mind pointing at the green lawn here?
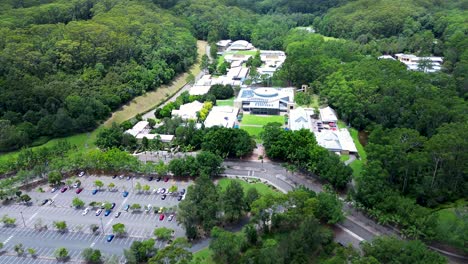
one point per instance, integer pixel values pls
(82, 141)
(253, 131)
(228, 102)
(248, 119)
(356, 165)
(202, 256)
(262, 188)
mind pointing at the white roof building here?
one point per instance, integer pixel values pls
(141, 130)
(385, 57)
(327, 114)
(336, 140)
(224, 43)
(240, 45)
(265, 100)
(412, 62)
(188, 111)
(225, 116)
(300, 118)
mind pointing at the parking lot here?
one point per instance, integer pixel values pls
(138, 225)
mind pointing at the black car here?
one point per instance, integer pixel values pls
(45, 201)
(163, 197)
(158, 179)
(182, 192)
(150, 178)
(179, 198)
(112, 205)
(115, 176)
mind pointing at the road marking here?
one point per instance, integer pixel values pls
(8, 239)
(92, 244)
(30, 218)
(350, 233)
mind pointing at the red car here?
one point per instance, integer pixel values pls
(166, 179)
(161, 217)
(64, 189)
(79, 190)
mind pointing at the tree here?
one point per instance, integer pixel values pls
(54, 177)
(94, 228)
(8, 221)
(135, 207)
(329, 208)
(61, 226)
(204, 62)
(175, 252)
(251, 196)
(232, 201)
(138, 187)
(25, 198)
(221, 92)
(119, 229)
(173, 189)
(146, 188)
(77, 202)
(99, 184)
(19, 249)
(391, 250)
(163, 233)
(61, 254)
(32, 252)
(140, 251)
(92, 256)
(225, 245)
(111, 186)
(199, 210)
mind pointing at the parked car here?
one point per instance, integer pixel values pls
(110, 237)
(158, 179)
(125, 194)
(85, 211)
(160, 210)
(182, 191)
(115, 176)
(53, 190)
(95, 191)
(166, 179)
(150, 178)
(64, 189)
(45, 201)
(161, 217)
(79, 190)
(170, 217)
(163, 197)
(179, 198)
(103, 205)
(107, 212)
(128, 178)
(126, 208)
(98, 212)
(121, 177)
(81, 174)
(112, 205)
(117, 214)
(148, 208)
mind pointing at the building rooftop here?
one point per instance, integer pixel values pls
(224, 43)
(327, 114)
(224, 116)
(241, 45)
(300, 118)
(188, 111)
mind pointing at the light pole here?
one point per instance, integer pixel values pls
(23, 219)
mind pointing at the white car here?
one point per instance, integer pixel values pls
(148, 208)
(160, 210)
(85, 211)
(170, 217)
(81, 174)
(159, 190)
(53, 190)
(98, 212)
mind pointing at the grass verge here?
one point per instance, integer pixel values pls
(262, 188)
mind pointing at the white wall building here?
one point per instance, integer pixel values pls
(265, 100)
(240, 45)
(415, 63)
(300, 118)
(328, 115)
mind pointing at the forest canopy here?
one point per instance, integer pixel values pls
(65, 70)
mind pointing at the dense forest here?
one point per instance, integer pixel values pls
(65, 65)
